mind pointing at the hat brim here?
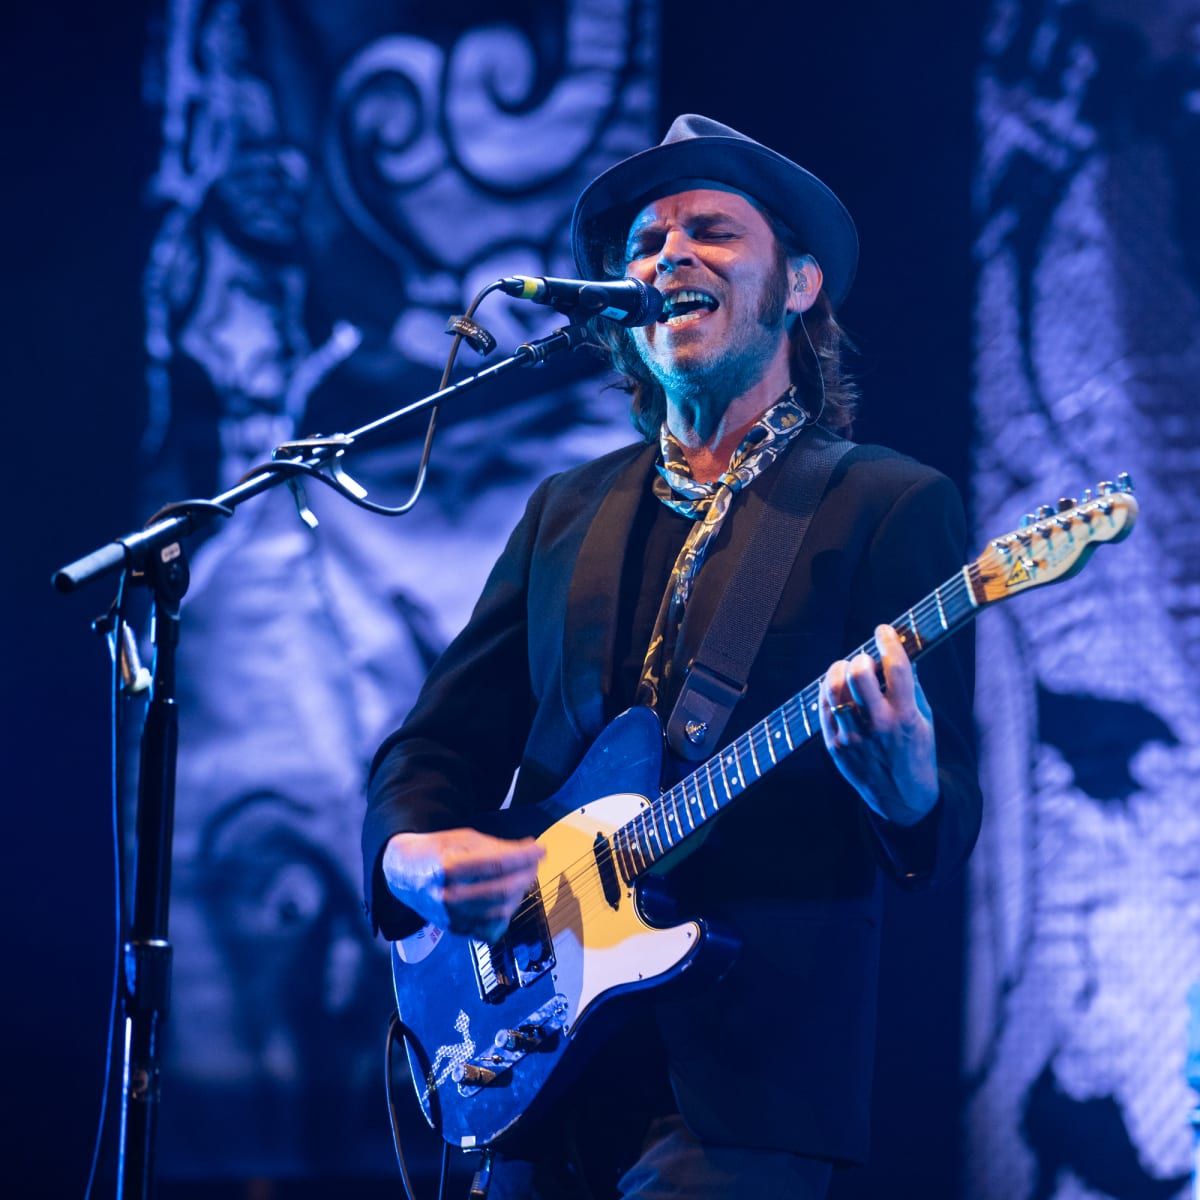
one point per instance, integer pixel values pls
(797, 197)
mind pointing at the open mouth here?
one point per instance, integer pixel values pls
(685, 306)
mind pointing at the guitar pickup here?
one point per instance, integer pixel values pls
(606, 868)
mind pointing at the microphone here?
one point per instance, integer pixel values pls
(629, 302)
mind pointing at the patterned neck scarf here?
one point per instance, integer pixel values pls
(707, 505)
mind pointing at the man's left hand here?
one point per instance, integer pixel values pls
(882, 741)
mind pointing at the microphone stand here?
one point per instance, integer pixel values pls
(155, 557)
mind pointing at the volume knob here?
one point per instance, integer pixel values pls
(469, 1075)
(518, 1039)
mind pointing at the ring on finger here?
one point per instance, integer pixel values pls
(850, 716)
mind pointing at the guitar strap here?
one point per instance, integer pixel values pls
(716, 679)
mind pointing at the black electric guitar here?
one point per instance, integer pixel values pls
(494, 1027)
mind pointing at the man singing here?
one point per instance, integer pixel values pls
(757, 1083)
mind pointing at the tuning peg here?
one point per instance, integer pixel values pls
(1087, 495)
(1124, 482)
(1106, 487)
(1044, 511)
(1028, 519)
(1065, 502)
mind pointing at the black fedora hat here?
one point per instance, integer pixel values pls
(696, 149)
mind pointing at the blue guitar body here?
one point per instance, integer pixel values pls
(492, 1024)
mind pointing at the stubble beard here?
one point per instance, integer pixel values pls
(703, 390)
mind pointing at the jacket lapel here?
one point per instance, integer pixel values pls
(590, 626)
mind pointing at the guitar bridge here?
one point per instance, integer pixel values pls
(524, 953)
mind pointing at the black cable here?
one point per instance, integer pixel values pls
(395, 1025)
(316, 470)
(445, 380)
(118, 888)
(819, 365)
(443, 1173)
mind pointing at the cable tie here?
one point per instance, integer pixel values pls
(481, 341)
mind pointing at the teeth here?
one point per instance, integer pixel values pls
(687, 296)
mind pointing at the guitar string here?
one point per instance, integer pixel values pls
(757, 737)
(581, 870)
(963, 589)
(964, 584)
(657, 812)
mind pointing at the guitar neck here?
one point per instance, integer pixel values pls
(681, 811)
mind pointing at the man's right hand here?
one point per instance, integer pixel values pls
(461, 880)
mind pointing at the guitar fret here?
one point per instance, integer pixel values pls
(753, 756)
(687, 807)
(724, 777)
(712, 791)
(654, 830)
(619, 846)
(737, 762)
(655, 812)
(675, 814)
(635, 845)
(937, 596)
(770, 741)
(787, 733)
(912, 624)
(643, 839)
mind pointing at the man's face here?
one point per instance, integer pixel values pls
(715, 258)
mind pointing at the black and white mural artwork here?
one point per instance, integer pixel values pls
(1085, 925)
(332, 183)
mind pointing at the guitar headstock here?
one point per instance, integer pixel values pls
(1054, 542)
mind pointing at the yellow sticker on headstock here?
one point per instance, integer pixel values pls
(1017, 575)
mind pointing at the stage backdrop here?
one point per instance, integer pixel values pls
(332, 182)
(1086, 885)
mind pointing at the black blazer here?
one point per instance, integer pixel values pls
(780, 1052)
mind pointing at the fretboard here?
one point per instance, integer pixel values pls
(682, 810)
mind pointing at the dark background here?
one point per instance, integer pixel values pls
(874, 99)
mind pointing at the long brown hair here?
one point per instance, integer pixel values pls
(822, 362)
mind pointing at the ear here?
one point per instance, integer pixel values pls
(804, 283)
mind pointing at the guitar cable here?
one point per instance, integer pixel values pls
(397, 1027)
